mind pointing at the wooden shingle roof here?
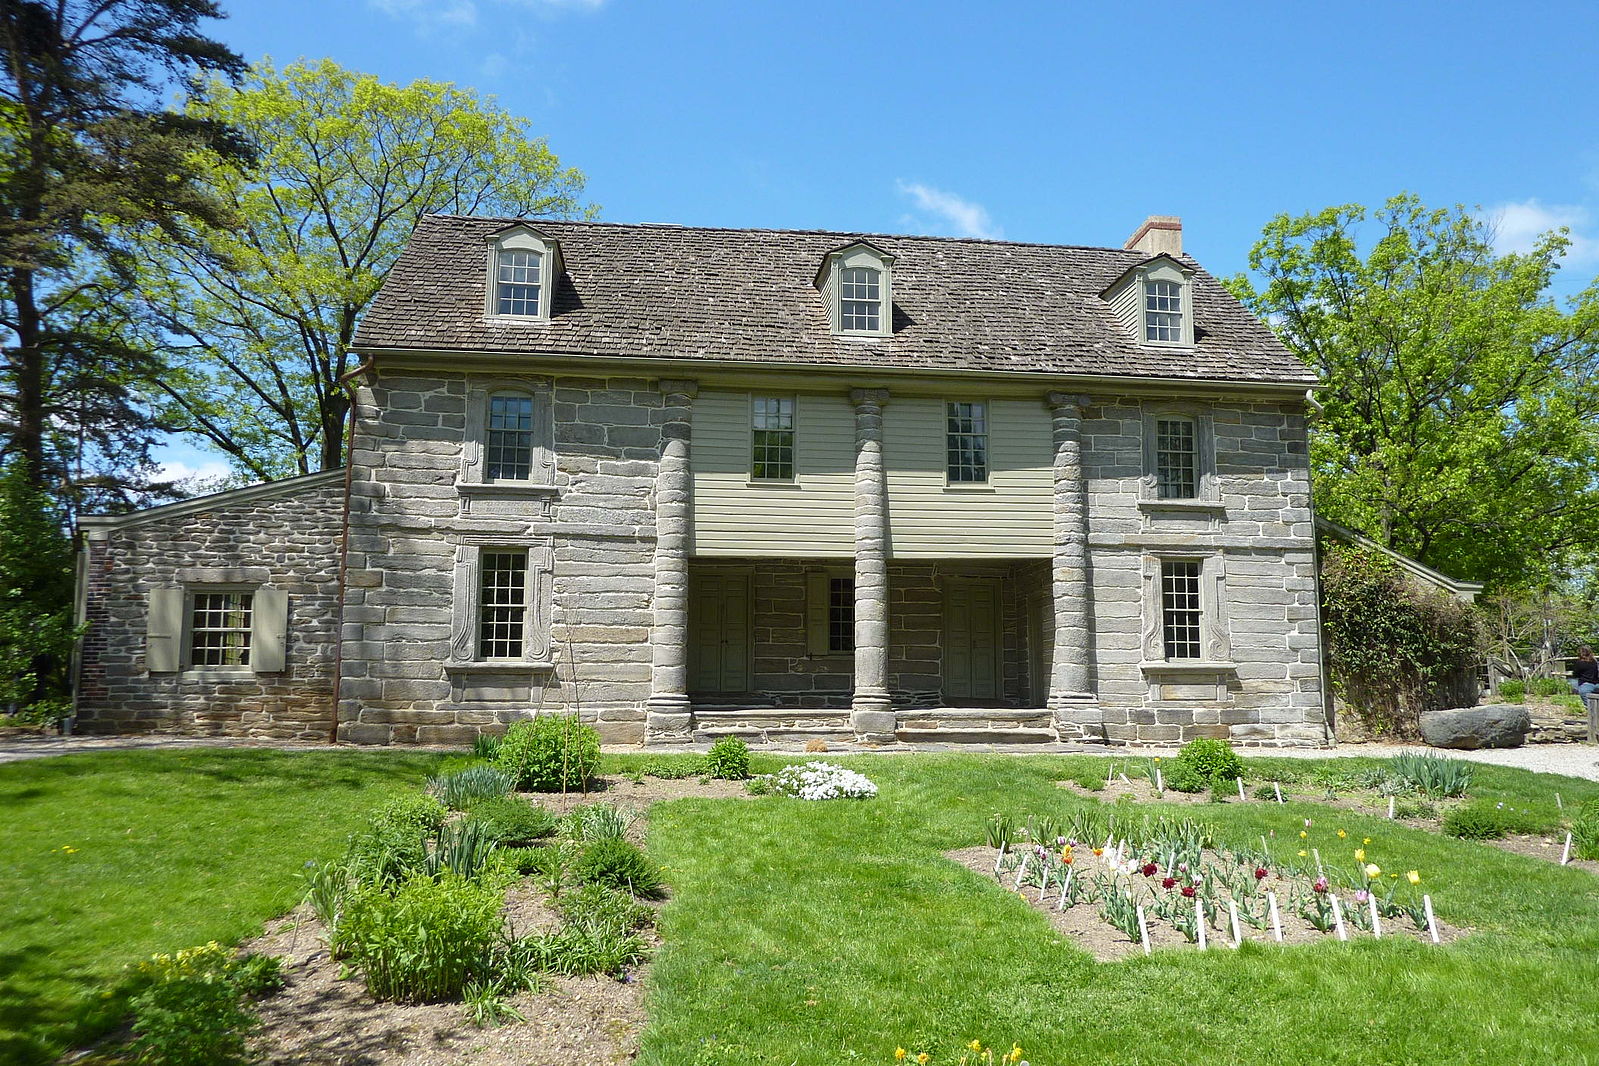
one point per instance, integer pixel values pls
(690, 293)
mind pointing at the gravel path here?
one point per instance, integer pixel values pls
(1573, 760)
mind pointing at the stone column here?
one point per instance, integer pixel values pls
(1070, 697)
(670, 715)
(871, 710)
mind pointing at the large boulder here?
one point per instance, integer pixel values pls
(1493, 725)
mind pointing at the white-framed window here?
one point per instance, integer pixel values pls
(1176, 458)
(860, 295)
(508, 446)
(772, 438)
(830, 611)
(1180, 609)
(502, 603)
(966, 442)
(518, 282)
(1163, 311)
(220, 627)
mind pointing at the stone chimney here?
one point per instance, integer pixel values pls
(1158, 234)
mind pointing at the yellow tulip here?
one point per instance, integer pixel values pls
(1414, 877)
(899, 1054)
(1373, 870)
(1303, 853)
(922, 1058)
(1303, 834)
(1360, 854)
(1342, 834)
(1367, 840)
(976, 1045)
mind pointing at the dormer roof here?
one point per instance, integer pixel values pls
(1188, 270)
(844, 250)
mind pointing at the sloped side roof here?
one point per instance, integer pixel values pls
(747, 295)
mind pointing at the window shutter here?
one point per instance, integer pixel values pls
(163, 631)
(816, 603)
(269, 631)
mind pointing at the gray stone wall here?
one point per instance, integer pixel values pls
(285, 540)
(408, 518)
(1262, 532)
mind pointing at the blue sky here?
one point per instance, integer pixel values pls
(1056, 122)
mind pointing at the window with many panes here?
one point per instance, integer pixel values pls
(1180, 608)
(1163, 311)
(219, 628)
(502, 604)
(860, 294)
(772, 438)
(841, 614)
(1176, 459)
(508, 449)
(517, 280)
(966, 442)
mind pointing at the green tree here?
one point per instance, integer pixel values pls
(36, 574)
(90, 159)
(1460, 400)
(348, 165)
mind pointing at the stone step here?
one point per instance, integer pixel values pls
(977, 718)
(975, 736)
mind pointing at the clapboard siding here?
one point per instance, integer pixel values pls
(814, 517)
(1011, 517)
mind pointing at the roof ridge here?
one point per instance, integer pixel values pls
(534, 219)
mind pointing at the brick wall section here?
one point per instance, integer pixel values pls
(407, 520)
(287, 540)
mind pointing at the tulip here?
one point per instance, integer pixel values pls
(1360, 854)
(1188, 891)
(1373, 870)
(1414, 877)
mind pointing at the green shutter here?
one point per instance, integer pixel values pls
(817, 595)
(269, 629)
(163, 631)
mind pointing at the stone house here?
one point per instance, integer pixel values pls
(688, 482)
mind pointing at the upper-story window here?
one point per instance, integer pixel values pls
(523, 267)
(508, 449)
(1176, 459)
(966, 442)
(518, 282)
(772, 438)
(860, 297)
(857, 282)
(1163, 311)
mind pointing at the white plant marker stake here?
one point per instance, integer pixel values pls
(1160, 782)
(1232, 913)
(1390, 808)
(1275, 787)
(999, 858)
(1065, 887)
(1276, 919)
(1338, 917)
(1316, 852)
(1108, 842)
(1143, 930)
(1264, 850)
(1240, 783)
(1110, 774)
(1376, 922)
(1021, 868)
(1126, 782)
(1432, 926)
(1199, 921)
(1559, 805)
(1565, 852)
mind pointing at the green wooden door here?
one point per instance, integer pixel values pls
(972, 671)
(719, 633)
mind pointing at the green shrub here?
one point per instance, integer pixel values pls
(1512, 691)
(425, 941)
(193, 1011)
(675, 767)
(536, 861)
(551, 753)
(1547, 686)
(511, 821)
(729, 759)
(1184, 777)
(597, 821)
(618, 864)
(1211, 761)
(759, 786)
(1482, 820)
(1414, 809)
(395, 844)
(1432, 775)
(463, 788)
(1585, 831)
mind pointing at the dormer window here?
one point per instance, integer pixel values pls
(1153, 301)
(523, 265)
(857, 283)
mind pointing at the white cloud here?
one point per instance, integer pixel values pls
(956, 216)
(431, 14)
(205, 471)
(1518, 225)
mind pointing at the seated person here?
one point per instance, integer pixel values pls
(1584, 678)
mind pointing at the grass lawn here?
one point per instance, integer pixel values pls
(834, 932)
(168, 849)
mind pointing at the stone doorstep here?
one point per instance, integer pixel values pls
(976, 736)
(772, 717)
(755, 737)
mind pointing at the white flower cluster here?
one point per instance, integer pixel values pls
(821, 781)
